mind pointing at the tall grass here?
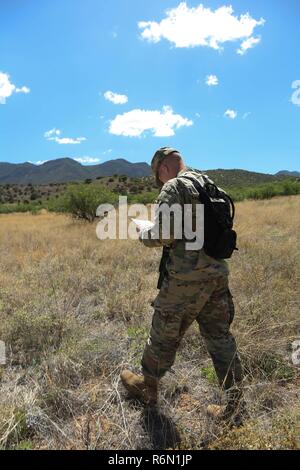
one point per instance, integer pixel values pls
(76, 310)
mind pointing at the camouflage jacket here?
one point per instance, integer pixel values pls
(182, 263)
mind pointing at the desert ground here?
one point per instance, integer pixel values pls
(76, 310)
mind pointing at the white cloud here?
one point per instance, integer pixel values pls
(230, 113)
(246, 115)
(136, 122)
(212, 80)
(248, 44)
(54, 134)
(39, 162)
(51, 133)
(7, 88)
(23, 89)
(200, 26)
(106, 152)
(115, 97)
(69, 140)
(87, 159)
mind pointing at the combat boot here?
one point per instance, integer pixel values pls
(144, 388)
(234, 412)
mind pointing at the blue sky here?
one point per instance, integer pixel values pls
(97, 80)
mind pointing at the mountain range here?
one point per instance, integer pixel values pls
(288, 173)
(64, 170)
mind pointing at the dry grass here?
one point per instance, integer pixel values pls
(75, 310)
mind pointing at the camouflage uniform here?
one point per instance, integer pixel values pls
(195, 288)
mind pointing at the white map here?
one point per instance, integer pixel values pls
(143, 224)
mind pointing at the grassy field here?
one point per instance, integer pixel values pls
(76, 310)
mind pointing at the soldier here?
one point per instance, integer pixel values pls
(193, 286)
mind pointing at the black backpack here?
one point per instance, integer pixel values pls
(219, 237)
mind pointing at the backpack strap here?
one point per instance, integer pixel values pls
(204, 197)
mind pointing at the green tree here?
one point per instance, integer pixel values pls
(82, 201)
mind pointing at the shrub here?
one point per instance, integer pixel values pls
(82, 201)
(134, 189)
(144, 198)
(33, 196)
(266, 190)
(281, 433)
(269, 366)
(210, 374)
(33, 207)
(30, 335)
(14, 428)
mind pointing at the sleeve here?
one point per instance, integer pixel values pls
(163, 232)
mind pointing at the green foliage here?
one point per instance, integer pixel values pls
(82, 201)
(270, 366)
(143, 198)
(240, 178)
(29, 335)
(210, 374)
(138, 337)
(58, 203)
(266, 190)
(33, 207)
(14, 429)
(135, 332)
(282, 433)
(25, 445)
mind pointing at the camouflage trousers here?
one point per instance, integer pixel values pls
(178, 304)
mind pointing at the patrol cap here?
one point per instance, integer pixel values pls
(158, 157)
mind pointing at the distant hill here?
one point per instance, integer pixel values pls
(288, 173)
(228, 178)
(64, 170)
